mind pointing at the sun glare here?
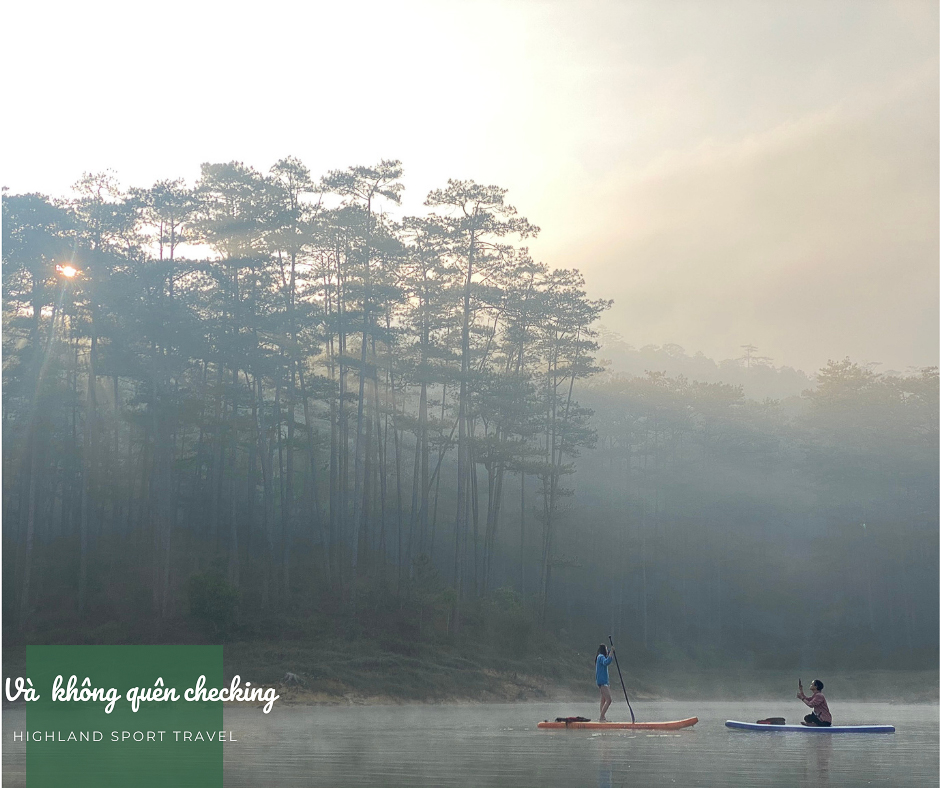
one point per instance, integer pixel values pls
(66, 270)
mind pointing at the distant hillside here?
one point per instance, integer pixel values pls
(759, 377)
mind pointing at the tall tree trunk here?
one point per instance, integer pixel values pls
(30, 463)
(495, 473)
(475, 513)
(161, 483)
(312, 459)
(398, 488)
(89, 455)
(522, 534)
(31, 503)
(233, 573)
(463, 446)
(281, 495)
(218, 467)
(265, 455)
(361, 457)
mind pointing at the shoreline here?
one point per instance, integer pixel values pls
(909, 687)
(363, 674)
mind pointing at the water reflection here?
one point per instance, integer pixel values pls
(499, 747)
(605, 768)
(819, 756)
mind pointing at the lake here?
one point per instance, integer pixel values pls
(499, 745)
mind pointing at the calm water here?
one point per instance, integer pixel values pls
(499, 745)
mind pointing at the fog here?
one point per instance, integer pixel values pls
(410, 350)
(732, 172)
(324, 422)
(497, 746)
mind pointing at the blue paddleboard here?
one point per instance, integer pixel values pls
(754, 726)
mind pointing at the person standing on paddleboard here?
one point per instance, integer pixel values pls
(601, 662)
(820, 718)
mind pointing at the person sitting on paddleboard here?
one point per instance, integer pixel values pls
(601, 662)
(820, 717)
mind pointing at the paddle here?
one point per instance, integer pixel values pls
(617, 662)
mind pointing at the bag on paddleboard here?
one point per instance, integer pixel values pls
(772, 721)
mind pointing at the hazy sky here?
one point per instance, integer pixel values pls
(729, 173)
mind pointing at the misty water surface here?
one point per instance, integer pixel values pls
(499, 745)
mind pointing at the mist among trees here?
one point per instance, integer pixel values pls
(262, 407)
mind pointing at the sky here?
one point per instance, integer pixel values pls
(729, 173)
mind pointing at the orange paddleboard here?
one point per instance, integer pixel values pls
(636, 726)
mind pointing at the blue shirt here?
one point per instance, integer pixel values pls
(601, 672)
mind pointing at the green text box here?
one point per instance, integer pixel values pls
(81, 745)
